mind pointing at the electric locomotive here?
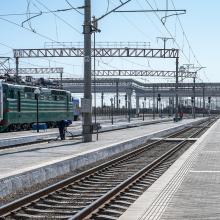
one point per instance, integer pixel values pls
(18, 106)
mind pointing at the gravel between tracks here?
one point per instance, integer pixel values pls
(34, 188)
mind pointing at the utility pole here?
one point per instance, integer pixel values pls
(87, 101)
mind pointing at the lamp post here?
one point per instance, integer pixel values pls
(37, 94)
(111, 99)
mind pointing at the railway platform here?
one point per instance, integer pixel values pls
(25, 137)
(189, 189)
(32, 164)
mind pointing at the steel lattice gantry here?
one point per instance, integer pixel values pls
(161, 73)
(103, 52)
(98, 52)
(108, 85)
(30, 71)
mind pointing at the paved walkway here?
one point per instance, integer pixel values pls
(77, 125)
(189, 190)
(23, 158)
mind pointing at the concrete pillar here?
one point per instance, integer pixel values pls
(137, 106)
(102, 99)
(173, 105)
(129, 94)
(170, 106)
(153, 110)
(126, 101)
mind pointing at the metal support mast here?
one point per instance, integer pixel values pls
(165, 39)
(17, 67)
(194, 98)
(176, 90)
(153, 102)
(117, 95)
(87, 114)
(203, 99)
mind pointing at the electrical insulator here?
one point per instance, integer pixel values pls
(94, 23)
(209, 99)
(192, 99)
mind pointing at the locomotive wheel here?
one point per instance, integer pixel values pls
(25, 126)
(11, 127)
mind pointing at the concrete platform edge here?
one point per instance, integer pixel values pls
(7, 142)
(27, 178)
(152, 204)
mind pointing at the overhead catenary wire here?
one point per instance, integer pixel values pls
(41, 35)
(108, 1)
(135, 27)
(107, 9)
(190, 47)
(185, 35)
(35, 32)
(182, 51)
(67, 23)
(27, 29)
(76, 9)
(43, 12)
(146, 15)
(44, 59)
(168, 31)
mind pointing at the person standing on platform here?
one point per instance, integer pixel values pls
(61, 126)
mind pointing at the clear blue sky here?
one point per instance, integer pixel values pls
(201, 25)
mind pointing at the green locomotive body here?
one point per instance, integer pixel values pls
(18, 106)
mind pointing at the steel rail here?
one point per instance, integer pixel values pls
(89, 210)
(100, 202)
(6, 209)
(26, 200)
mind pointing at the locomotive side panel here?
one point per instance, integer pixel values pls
(20, 106)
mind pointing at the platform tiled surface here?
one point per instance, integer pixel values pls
(20, 159)
(199, 195)
(189, 190)
(75, 126)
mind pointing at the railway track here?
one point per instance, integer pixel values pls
(105, 191)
